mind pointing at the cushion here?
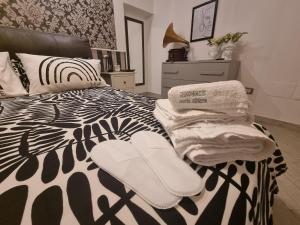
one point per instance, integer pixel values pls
(10, 84)
(49, 74)
(19, 70)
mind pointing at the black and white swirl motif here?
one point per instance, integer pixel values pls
(61, 70)
(47, 176)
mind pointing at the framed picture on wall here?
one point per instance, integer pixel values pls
(203, 21)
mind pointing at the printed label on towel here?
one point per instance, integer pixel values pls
(200, 93)
(199, 100)
(193, 100)
(193, 96)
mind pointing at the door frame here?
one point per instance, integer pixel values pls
(127, 45)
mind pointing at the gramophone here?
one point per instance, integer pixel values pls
(175, 54)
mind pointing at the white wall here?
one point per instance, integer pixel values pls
(163, 14)
(141, 10)
(145, 5)
(270, 52)
(269, 55)
(146, 17)
(119, 24)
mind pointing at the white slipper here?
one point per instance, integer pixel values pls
(175, 174)
(122, 160)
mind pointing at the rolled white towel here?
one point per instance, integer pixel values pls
(172, 119)
(223, 96)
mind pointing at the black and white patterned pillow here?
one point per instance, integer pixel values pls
(10, 85)
(48, 74)
(19, 70)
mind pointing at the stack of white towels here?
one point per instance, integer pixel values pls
(210, 123)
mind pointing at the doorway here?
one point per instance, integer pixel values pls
(134, 30)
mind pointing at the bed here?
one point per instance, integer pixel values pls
(48, 177)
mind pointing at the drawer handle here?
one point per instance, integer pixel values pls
(171, 72)
(124, 82)
(212, 74)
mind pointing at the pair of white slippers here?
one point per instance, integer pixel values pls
(149, 166)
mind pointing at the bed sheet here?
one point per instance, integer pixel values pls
(47, 176)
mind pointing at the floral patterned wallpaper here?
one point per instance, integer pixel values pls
(93, 19)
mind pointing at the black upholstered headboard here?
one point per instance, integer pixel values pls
(39, 43)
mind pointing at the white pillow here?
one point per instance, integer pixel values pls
(10, 84)
(48, 74)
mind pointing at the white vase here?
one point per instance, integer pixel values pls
(214, 52)
(227, 50)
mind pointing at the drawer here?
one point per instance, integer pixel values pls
(169, 83)
(122, 82)
(204, 72)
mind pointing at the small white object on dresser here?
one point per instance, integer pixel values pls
(120, 80)
(194, 72)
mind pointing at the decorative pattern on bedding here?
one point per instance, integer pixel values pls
(47, 176)
(82, 18)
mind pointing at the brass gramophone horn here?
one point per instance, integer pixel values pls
(171, 36)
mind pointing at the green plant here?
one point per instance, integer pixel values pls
(215, 41)
(235, 37)
(226, 38)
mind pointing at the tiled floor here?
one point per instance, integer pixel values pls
(287, 203)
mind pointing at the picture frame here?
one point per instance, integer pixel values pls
(203, 21)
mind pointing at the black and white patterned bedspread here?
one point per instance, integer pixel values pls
(47, 177)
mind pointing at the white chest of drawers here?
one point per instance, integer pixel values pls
(120, 80)
(193, 72)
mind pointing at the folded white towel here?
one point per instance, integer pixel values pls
(211, 143)
(197, 155)
(166, 115)
(223, 96)
(210, 124)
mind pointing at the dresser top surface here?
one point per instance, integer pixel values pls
(202, 61)
(118, 73)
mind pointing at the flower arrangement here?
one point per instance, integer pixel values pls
(234, 38)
